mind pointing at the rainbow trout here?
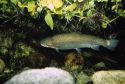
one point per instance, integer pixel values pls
(76, 41)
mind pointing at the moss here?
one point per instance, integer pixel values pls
(74, 61)
(21, 50)
(5, 43)
(19, 55)
(2, 66)
(82, 78)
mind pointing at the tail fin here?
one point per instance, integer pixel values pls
(111, 44)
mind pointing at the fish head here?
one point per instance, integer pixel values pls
(47, 43)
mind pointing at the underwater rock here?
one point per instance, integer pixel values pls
(74, 61)
(2, 66)
(37, 60)
(49, 75)
(109, 77)
(82, 78)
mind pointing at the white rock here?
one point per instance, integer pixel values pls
(109, 77)
(42, 76)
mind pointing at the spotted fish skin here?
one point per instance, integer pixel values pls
(77, 40)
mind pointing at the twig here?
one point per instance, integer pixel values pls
(9, 19)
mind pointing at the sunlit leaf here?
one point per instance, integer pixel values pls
(57, 3)
(114, 7)
(58, 11)
(51, 6)
(89, 13)
(49, 20)
(3, 2)
(31, 7)
(102, 0)
(116, 1)
(71, 7)
(80, 0)
(91, 4)
(121, 12)
(39, 9)
(104, 25)
(21, 5)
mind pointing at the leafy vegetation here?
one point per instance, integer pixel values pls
(93, 13)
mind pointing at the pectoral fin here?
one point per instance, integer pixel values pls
(78, 50)
(57, 50)
(95, 47)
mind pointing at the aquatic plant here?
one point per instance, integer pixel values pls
(2, 66)
(6, 42)
(74, 61)
(21, 50)
(82, 78)
(18, 55)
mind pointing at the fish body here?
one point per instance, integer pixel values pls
(76, 41)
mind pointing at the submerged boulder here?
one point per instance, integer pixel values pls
(42, 76)
(109, 77)
(74, 61)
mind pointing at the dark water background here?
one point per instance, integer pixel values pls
(116, 29)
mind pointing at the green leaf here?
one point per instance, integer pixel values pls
(31, 6)
(14, 1)
(104, 25)
(121, 12)
(89, 13)
(91, 4)
(102, 0)
(49, 20)
(3, 1)
(71, 7)
(116, 1)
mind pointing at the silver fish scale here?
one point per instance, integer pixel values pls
(77, 38)
(73, 40)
